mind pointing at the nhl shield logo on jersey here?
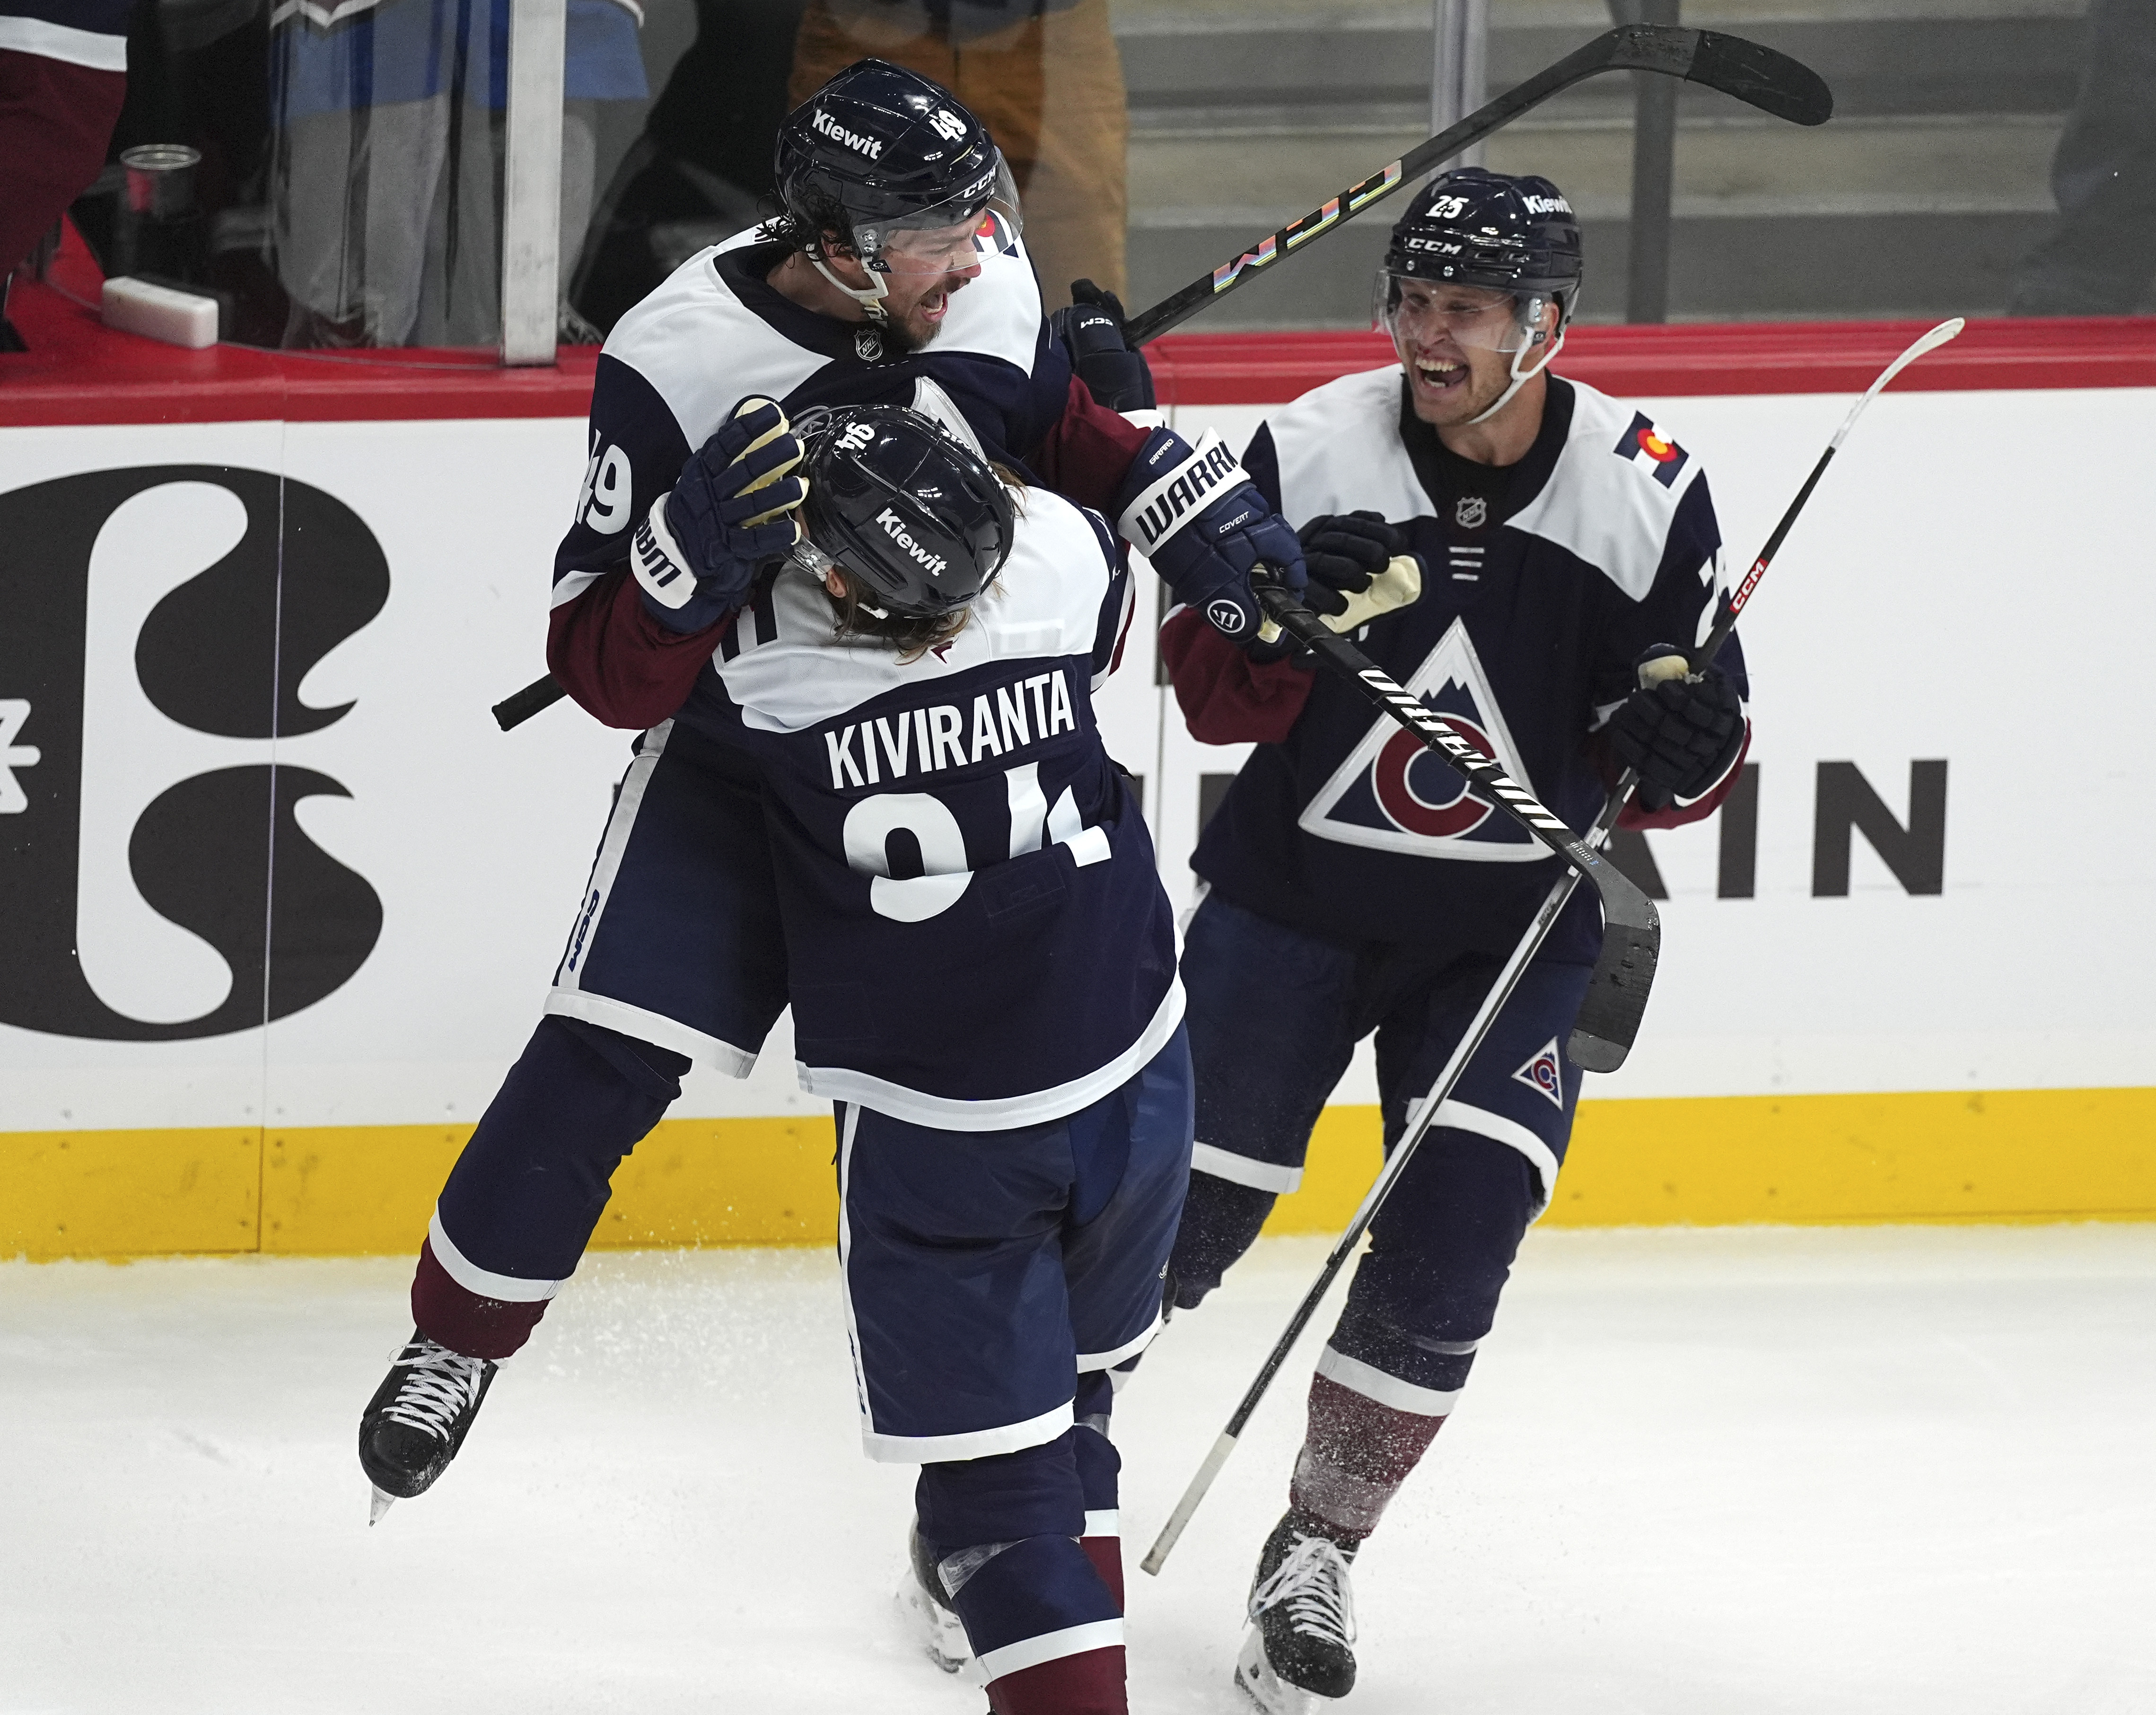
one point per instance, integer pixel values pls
(1646, 446)
(1470, 512)
(1393, 795)
(1545, 1073)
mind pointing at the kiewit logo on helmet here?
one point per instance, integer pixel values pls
(830, 127)
(894, 528)
(1547, 205)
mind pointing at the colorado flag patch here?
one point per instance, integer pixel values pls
(1545, 1072)
(1646, 445)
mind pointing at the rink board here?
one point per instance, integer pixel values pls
(1985, 1051)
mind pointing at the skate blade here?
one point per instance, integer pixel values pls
(377, 1506)
(1256, 1679)
(939, 1634)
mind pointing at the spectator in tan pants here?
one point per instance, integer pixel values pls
(1044, 76)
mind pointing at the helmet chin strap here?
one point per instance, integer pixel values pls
(871, 301)
(1521, 377)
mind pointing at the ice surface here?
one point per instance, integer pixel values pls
(1871, 1470)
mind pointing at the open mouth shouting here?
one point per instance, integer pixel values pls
(1437, 377)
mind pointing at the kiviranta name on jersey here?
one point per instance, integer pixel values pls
(942, 735)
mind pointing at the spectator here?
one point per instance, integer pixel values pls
(63, 75)
(2100, 259)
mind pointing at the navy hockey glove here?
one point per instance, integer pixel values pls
(698, 552)
(1344, 553)
(1680, 733)
(1091, 331)
(1204, 526)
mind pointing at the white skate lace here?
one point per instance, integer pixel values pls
(1312, 1582)
(439, 1384)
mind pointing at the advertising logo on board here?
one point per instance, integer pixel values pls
(118, 681)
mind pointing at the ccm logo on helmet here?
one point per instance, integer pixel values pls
(894, 528)
(830, 127)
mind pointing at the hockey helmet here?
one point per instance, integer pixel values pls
(1474, 228)
(894, 163)
(921, 521)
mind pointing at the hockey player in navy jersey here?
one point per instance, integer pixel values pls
(983, 979)
(896, 273)
(1562, 539)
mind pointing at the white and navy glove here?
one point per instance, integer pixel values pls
(1202, 523)
(1680, 733)
(697, 553)
(1091, 331)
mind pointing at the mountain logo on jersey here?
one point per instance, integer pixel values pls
(1545, 1074)
(1393, 795)
(1646, 446)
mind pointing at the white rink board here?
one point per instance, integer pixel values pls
(1967, 586)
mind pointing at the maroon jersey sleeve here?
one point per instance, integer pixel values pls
(1226, 698)
(620, 665)
(1084, 457)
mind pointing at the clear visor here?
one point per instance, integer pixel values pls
(954, 234)
(1417, 311)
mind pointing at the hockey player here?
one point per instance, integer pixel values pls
(1562, 539)
(896, 273)
(983, 979)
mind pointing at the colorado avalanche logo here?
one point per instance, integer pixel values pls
(1647, 446)
(1545, 1073)
(1393, 795)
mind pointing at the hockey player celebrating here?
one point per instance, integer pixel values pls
(895, 274)
(1563, 541)
(983, 979)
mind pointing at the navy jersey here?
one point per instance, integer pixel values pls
(975, 930)
(1543, 581)
(676, 365)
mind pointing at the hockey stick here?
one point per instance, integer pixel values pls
(1500, 990)
(1769, 80)
(1617, 998)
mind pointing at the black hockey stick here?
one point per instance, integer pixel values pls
(1500, 991)
(1632, 933)
(1770, 81)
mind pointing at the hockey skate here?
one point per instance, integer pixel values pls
(1302, 1622)
(929, 1619)
(419, 1418)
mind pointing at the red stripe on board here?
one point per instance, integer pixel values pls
(77, 371)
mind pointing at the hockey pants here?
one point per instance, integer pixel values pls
(1441, 1249)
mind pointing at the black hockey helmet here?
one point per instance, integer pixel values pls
(1506, 232)
(921, 521)
(893, 162)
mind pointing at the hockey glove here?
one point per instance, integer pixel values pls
(697, 553)
(1204, 526)
(1343, 554)
(1680, 733)
(1091, 331)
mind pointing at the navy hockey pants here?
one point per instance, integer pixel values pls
(1275, 1014)
(674, 954)
(993, 1280)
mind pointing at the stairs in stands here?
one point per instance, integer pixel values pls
(1916, 199)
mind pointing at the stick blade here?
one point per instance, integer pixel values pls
(1771, 81)
(1609, 1018)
